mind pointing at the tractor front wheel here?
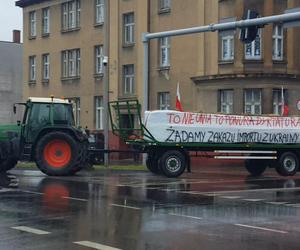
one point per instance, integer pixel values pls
(57, 154)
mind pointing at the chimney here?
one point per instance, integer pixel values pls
(16, 36)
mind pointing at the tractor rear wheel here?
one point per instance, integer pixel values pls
(58, 154)
(82, 159)
(8, 164)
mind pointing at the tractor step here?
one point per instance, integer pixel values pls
(27, 152)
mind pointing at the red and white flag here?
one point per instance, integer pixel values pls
(285, 108)
(178, 102)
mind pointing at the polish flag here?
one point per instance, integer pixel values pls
(178, 103)
(285, 108)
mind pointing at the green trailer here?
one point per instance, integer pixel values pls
(172, 158)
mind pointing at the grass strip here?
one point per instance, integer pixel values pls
(32, 165)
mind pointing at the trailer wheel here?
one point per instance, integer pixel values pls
(172, 163)
(256, 167)
(57, 154)
(288, 164)
(153, 165)
(8, 164)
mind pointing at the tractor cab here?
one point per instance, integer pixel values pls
(48, 111)
(45, 112)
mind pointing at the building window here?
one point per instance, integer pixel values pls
(128, 78)
(165, 52)
(32, 24)
(164, 5)
(278, 42)
(100, 11)
(32, 68)
(163, 100)
(46, 66)
(71, 63)
(226, 101)
(279, 100)
(253, 49)
(99, 59)
(76, 109)
(128, 20)
(99, 109)
(46, 21)
(71, 15)
(227, 47)
(253, 101)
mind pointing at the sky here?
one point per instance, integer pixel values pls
(10, 19)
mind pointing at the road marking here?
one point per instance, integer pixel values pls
(186, 216)
(230, 197)
(163, 183)
(261, 228)
(276, 203)
(31, 192)
(71, 198)
(95, 245)
(242, 191)
(31, 230)
(152, 188)
(293, 205)
(167, 189)
(4, 190)
(189, 192)
(211, 194)
(253, 200)
(125, 206)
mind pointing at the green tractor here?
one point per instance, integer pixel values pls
(47, 136)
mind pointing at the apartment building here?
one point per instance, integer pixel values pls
(10, 78)
(218, 73)
(250, 78)
(63, 53)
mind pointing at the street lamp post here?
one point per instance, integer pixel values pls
(106, 82)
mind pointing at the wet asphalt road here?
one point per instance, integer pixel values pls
(211, 208)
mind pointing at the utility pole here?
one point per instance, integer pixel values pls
(106, 81)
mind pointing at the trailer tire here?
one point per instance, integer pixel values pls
(288, 164)
(153, 165)
(256, 167)
(8, 164)
(57, 154)
(172, 163)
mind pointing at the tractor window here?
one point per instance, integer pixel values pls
(63, 114)
(40, 114)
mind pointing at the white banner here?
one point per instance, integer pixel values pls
(184, 127)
